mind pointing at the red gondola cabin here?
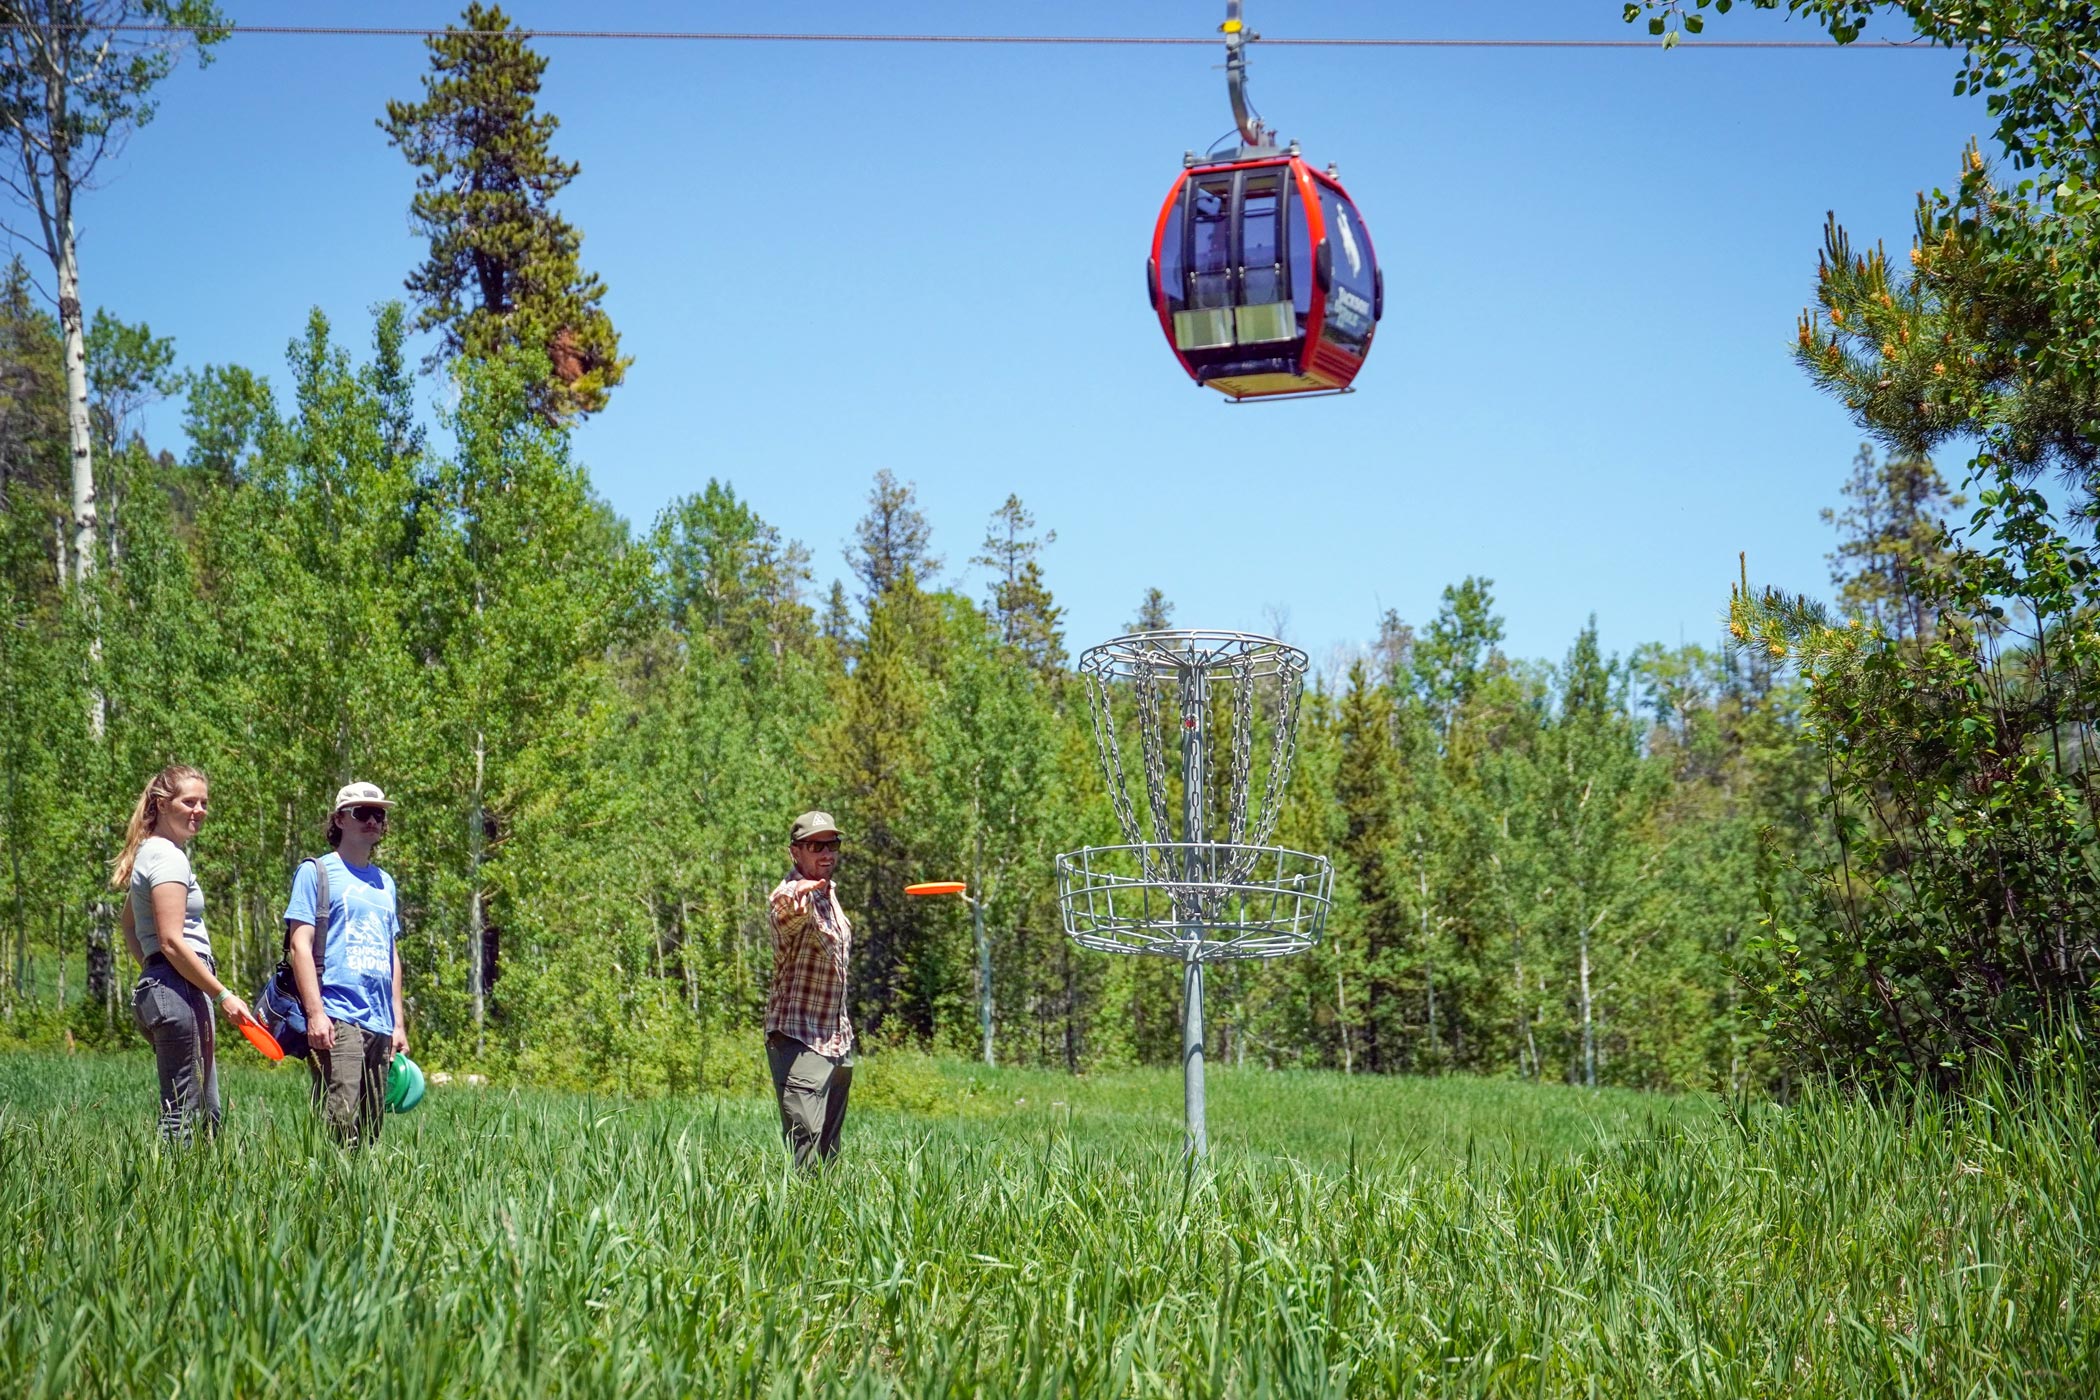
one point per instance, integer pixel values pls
(1263, 277)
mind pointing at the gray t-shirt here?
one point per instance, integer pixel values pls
(162, 862)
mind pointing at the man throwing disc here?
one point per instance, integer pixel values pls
(809, 1041)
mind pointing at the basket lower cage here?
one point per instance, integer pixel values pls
(1203, 902)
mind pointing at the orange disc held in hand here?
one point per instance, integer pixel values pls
(261, 1039)
(936, 887)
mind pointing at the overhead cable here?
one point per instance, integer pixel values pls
(701, 36)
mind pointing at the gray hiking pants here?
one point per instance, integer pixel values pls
(175, 1016)
(812, 1091)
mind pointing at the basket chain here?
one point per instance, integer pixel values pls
(1281, 757)
(1152, 739)
(1242, 749)
(1144, 677)
(1101, 700)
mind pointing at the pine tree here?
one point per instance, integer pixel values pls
(1459, 649)
(1967, 344)
(504, 268)
(892, 540)
(837, 628)
(1891, 539)
(1372, 919)
(725, 574)
(880, 781)
(1021, 605)
(1155, 613)
(32, 394)
(1395, 648)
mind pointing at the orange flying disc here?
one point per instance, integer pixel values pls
(265, 1043)
(936, 887)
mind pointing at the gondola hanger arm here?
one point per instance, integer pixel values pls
(1237, 37)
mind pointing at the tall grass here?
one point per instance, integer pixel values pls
(1349, 1237)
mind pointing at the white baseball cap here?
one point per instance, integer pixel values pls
(358, 794)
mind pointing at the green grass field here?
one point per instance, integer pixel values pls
(1016, 1233)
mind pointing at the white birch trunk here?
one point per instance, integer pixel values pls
(1436, 1053)
(72, 327)
(1529, 1055)
(976, 898)
(685, 953)
(1589, 1035)
(14, 857)
(476, 953)
(1341, 1010)
(57, 220)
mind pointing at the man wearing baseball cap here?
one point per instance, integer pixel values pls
(809, 1041)
(354, 1019)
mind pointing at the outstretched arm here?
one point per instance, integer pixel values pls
(795, 904)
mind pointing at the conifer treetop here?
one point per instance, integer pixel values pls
(504, 269)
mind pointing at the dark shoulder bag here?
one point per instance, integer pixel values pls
(277, 1005)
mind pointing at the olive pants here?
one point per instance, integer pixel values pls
(349, 1082)
(812, 1090)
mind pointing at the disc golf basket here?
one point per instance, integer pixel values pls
(1196, 880)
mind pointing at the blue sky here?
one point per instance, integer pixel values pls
(828, 259)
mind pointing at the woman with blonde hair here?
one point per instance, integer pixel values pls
(164, 924)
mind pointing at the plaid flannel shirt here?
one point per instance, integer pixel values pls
(811, 941)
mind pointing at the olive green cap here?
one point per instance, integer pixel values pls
(812, 824)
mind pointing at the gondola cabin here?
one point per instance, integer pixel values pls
(1263, 277)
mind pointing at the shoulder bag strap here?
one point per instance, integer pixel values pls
(320, 918)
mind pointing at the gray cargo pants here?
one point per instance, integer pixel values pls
(176, 1018)
(812, 1091)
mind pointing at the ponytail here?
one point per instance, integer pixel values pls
(145, 816)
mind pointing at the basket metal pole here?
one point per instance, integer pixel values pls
(1195, 719)
(1192, 1055)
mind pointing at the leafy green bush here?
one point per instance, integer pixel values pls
(908, 1080)
(1962, 911)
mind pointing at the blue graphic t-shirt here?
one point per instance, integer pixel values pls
(357, 972)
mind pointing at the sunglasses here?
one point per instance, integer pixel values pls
(366, 814)
(831, 845)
